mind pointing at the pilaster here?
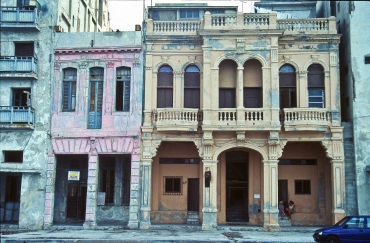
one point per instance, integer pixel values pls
(210, 196)
(146, 190)
(50, 191)
(92, 185)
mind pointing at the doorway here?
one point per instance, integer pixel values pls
(237, 187)
(283, 192)
(70, 189)
(12, 197)
(193, 194)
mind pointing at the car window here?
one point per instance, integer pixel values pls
(358, 222)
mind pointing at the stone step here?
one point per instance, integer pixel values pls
(285, 222)
(193, 218)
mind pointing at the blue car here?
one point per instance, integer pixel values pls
(347, 230)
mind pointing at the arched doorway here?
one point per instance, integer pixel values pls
(237, 166)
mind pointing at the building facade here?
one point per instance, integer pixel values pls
(25, 64)
(26, 71)
(355, 76)
(241, 111)
(93, 166)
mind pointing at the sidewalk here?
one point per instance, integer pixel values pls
(162, 234)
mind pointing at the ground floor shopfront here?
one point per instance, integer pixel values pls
(93, 181)
(239, 180)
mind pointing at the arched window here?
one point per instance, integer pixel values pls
(192, 87)
(287, 86)
(316, 86)
(96, 97)
(165, 87)
(123, 80)
(252, 83)
(69, 89)
(227, 84)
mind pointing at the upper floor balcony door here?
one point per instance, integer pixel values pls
(96, 98)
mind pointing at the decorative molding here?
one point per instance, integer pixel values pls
(315, 58)
(57, 65)
(110, 65)
(302, 73)
(82, 65)
(287, 58)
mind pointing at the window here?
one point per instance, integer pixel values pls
(287, 86)
(227, 84)
(252, 83)
(192, 87)
(172, 185)
(69, 89)
(297, 162)
(13, 156)
(316, 86)
(356, 223)
(302, 187)
(189, 14)
(178, 161)
(96, 98)
(367, 59)
(24, 49)
(21, 97)
(165, 87)
(114, 179)
(123, 80)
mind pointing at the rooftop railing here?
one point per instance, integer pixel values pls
(18, 64)
(242, 21)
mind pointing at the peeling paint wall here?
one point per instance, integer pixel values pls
(119, 134)
(34, 142)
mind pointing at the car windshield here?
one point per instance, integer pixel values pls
(340, 222)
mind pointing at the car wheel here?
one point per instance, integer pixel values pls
(332, 239)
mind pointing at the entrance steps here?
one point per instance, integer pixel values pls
(285, 222)
(193, 217)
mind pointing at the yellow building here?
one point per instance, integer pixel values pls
(241, 111)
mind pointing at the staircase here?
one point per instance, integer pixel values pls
(193, 217)
(285, 222)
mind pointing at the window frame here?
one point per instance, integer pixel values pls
(165, 87)
(123, 85)
(167, 179)
(70, 86)
(288, 93)
(192, 87)
(315, 83)
(95, 105)
(302, 189)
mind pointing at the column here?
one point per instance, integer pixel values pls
(210, 196)
(146, 190)
(240, 98)
(92, 187)
(133, 222)
(50, 191)
(270, 192)
(337, 175)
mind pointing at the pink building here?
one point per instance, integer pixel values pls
(93, 167)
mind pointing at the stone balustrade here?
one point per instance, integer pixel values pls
(242, 21)
(306, 119)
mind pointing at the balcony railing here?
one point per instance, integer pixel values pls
(16, 17)
(241, 117)
(240, 21)
(306, 119)
(181, 119)
(176, 26)
(16, 116)
(18, 64)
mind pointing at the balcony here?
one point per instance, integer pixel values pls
(234, 119)
(17, 117)
(13, 18)
(240, 21)
(176, 119)
(18, 67)
(306, 119)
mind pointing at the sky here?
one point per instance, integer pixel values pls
(125, 14)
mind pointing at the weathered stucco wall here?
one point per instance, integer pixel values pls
(34, 143)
